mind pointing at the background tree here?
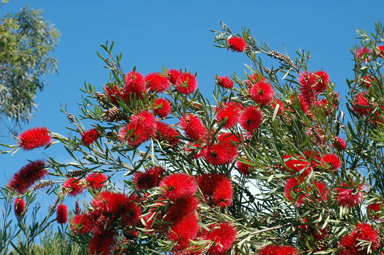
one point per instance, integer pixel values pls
(26, 42)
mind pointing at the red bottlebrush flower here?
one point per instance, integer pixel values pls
(173, 74)
(348, 196)
(251, 118)
(140, 129)
(314, 232)
(289, 188)
(186, 83)
(196, 148)
(349, 244)
(363, 54)
(166, 133)
(34, 138)
(255, 78)
(74, 186)
(308, 82)
(217, 188)
(177, 186)
(183, 231)
(274, 249)
(230, 138)
(61, 214)
(134, 86)
(161, 107)
(322, 81)
(375, 210)
(96, 180)
(367, 80)
(149, 179)
(19, 207)
(339, 143)
(82, 224)
(236, 43)
(220, 153)
(381, 51)
(157, 82)
(193, 127)
(222, 235)
(181, 208)
(276, 103)
(298, 164)
(262, 93)
(243, 168)
(333, 161)
(224, 82)
(362, 106)
(90, 136)
(322, 189)
(229, 111)
(27, 176)
(101, 243)
(113, 93)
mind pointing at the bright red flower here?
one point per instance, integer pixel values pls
(19, 207)
(236, 43)
(224, 82)
(381, 51)
(90, 136)
(333, 161)
(34, 138)
(186, 83)
(274, 249)
(178, 186)
(292, 186)
(181, 208)
(299, 164)
(339, 143)
(348, 196)
(166, 133)
(27, 176)
(148, 179)
(222, 235)
(74, 186)
(101, 243)
(220, 153)
(230, 138)
(134, 86)
(375, 210)
(243, 168)
(157, 82)
(183, 231)
(262, 93)
(367, 80)
(193, 127)
(82, 224)
(322, 81)
(361, 105)
(61, 214)
(349, 244)
(363, 53)
(173, 74)
(216, 188)
(229, 111)
(161, 107)
(113, 93)
(96, 180)
(322, 188)
(276, 103)
(308, 82)
(140, 129)
(251, 118)
(255, 78)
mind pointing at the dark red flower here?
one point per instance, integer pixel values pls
(96, 180)
(61, 214)
(216, 188)
(224, 82)
(276, 103)
(27, 176)
(243, 168)
(82, 224)
(148, 179)
(322, 81)
(178, 186)
(220, 153)
(222, 235)
(274, 249)
(339, 143)
(134, 86)
(351, 243)
(34, 138)
(251, 118)
(229, 112)
(193, 127)
(19, 207)
(162, 107)
(181, 208)
(332, 161)
(362, 105)
(74, 186)
(157, 82)
(298, 163)
(363, 54)
(381, 51)
(173, 74)
(90, 136)
(101, 243)
(183, 231)
(262, 92)
(367, 80)
(166, 133)
(113, 93)
(292, 188)
(186, 83)
(375, 210)
(253, 79)
(236, 43)
(348, 196)
(308, 82)
(140, 129)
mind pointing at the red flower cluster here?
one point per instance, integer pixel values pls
(193, 127)
(332, 161)
(140, 129)
(339, 143)
(274, 249)
(349, 196)
(292, 186)
(262, 93)
(157, 82)
(19, 207)
(27, 176)
(243, 168)
(349, 244)
(148, 179)
(251, 118)
(230, 113)
(74, 186)
(186, 83)
(134, 86)
(162, 107)
(90, 136)
(375, 210)
(216, 188)
(101, 243)
(96, 180)
(220, 153)
(61, 214)
(177, 186)
(236, 43)
(222, 236)
(363, 54)
(166, 133)
(34, 138)
(224, 82)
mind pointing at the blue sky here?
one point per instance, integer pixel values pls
(176, 34)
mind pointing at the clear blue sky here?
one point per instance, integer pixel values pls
(176, 34)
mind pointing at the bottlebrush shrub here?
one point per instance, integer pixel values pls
(264, 171)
